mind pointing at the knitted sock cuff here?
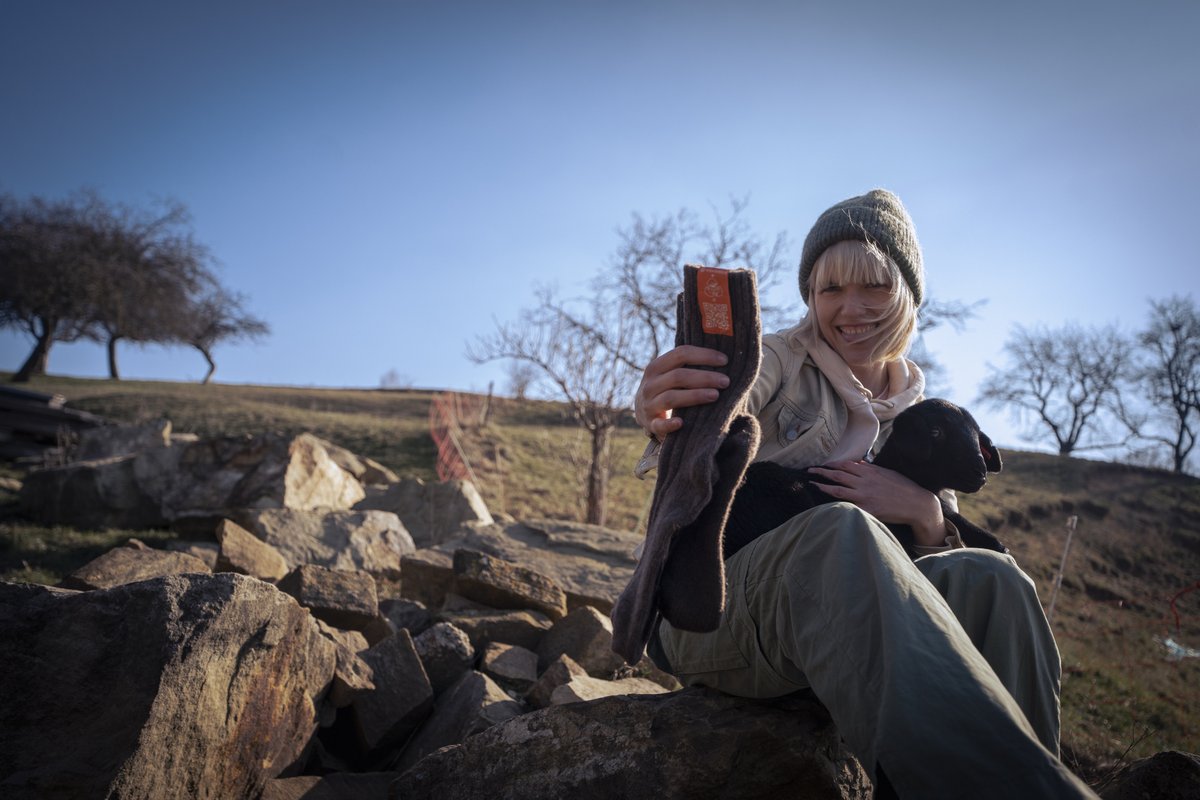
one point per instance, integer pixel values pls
(696, 482)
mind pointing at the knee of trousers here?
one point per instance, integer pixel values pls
(843, 524)
(981, 570)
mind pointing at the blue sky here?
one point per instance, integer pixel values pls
(385, 178)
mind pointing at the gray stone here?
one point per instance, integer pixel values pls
(119, 492)
(372, 541)
(154, 486)
(502, 584)
(396, 613)
(402, 697)
(696, 744)
(581, 688)
(241, 552)
(123, 565)
(510, 666)
(342, 598)
(553, 676)
(367, 471)
(155, 689)
(586, 636)
(107, 441)
(205, 551)
(591, 563)
(266, 471)
(427, 576)
(524, 628)
(471, 705)
(351, 677)
(432, 512)
(446, 652)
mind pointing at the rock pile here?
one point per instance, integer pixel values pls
(309, 647)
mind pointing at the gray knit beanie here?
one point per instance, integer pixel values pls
(877, 217)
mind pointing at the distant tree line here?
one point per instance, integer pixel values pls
(1097, 389)
(85, 268)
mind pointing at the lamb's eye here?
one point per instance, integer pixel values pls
(936, 433)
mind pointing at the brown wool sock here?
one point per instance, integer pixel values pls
(682, 571)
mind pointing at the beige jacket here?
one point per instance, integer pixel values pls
(802, 416)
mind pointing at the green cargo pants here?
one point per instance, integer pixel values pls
(943, 670)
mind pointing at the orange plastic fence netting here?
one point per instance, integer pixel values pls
(446, 413)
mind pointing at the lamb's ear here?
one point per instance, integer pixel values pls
(991, 456)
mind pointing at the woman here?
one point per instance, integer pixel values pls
(943, 672)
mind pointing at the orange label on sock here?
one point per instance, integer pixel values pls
(712, 290)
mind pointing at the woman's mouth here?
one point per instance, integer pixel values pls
(853, 333)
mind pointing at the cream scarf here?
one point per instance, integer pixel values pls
(906, 385)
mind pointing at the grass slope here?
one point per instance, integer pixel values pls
(1136, 546)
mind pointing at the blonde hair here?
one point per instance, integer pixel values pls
(854, 261)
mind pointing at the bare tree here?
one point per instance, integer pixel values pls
(152, 268)
(582, 350)
(49, 271)
(1065, 379)
(522, 375)
(214, 317)
(1167, 375)
(647, 270)
(592, 351)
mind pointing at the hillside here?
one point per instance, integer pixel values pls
(1135, 548)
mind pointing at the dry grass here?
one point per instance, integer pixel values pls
(1137, 544)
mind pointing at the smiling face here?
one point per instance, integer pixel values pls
(848, 317)
(860, 305)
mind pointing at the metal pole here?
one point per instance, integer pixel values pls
(1072, 521)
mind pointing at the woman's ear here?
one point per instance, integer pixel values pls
(991, 456)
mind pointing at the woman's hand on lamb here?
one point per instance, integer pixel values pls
(670, 382)
(888, 496)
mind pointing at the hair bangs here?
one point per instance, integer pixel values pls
(857, 262)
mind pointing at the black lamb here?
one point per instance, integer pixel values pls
(935, 443)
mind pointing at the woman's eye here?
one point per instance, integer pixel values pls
(877, 286)
(833, 287)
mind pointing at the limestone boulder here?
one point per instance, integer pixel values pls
(130, 564)
(427, 576)
(266, 471)
(402, 698)
(524, 628)
(591, 563)
(432, 512)
(155, 486)
(118, 492)
(473, 704)
(159, 689)
(351, 676)
(561, 671)
(396, 613)
(581, 688)
(502, 584)
(446, 653)
(367, 471)
(696, 744)
(586, 636)
(343, 598)
(510, 666)
(243, 553)
(371, 541)
(107, 441)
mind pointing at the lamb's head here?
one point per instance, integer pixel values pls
(939, 446)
